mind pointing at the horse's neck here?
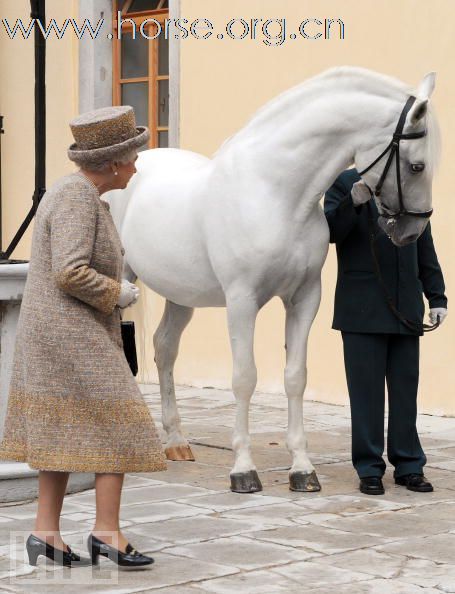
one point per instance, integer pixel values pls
(301, 150)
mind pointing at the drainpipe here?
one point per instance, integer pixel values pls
(1, 132)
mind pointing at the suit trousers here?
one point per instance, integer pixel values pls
(371, 361)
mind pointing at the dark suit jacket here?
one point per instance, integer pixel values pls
(409, 271)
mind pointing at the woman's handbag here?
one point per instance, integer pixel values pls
(129, 345)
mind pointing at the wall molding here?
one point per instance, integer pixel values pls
(95, 57)
(174, 79)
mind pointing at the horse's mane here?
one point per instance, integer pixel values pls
(433, 146)
(352, 77)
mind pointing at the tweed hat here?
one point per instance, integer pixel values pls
(105, 134)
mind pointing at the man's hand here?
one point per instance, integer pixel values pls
(436, 312)
(360, 193)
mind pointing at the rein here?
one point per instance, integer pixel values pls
(414, 326)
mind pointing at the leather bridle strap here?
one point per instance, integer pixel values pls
(394, 148)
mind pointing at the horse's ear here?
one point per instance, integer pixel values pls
(426, 87)
(424, 92)
(418, 110)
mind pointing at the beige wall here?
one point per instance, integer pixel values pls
(224, 82)
(16, 105)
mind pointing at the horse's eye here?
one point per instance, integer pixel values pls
(417, 167)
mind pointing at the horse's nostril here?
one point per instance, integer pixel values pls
(412, 238)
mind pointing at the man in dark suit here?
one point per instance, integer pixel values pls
(378, 347)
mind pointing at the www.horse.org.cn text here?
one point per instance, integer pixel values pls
(271, 32)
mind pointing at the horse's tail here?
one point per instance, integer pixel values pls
(140, 312)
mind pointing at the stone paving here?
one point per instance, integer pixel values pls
(206, 539)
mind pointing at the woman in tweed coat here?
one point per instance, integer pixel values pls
(74, 405)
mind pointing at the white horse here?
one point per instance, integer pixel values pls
(246, 225)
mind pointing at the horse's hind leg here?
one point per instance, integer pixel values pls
(166, 341)
(242, 314)
(299, 318)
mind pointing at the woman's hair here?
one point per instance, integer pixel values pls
(102, 165)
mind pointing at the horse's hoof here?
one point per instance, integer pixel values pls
(301, 481)
(180, 454)
(245, 482)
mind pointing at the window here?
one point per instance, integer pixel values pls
(141, 66)
(128, 6)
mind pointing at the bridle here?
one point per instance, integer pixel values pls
(394, 148)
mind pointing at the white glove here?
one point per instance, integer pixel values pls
(438, 311)
(129, 294)
(360, 193)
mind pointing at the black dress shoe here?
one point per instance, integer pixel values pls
(415, 482)
(372, 485)
(130, 559)
(36, 547)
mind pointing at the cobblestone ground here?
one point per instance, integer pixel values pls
(206, 539)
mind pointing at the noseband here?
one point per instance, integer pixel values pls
(394, 148)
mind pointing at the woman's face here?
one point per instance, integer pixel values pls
(125, 173)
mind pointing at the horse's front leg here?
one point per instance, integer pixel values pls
(242, 312)
(299, 318)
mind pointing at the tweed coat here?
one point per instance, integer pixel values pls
(73, 403)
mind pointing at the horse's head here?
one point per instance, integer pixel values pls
(401, 180)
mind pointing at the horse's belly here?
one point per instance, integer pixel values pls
(180, 288)
(171, 265)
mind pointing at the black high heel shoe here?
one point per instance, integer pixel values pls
(130, 559)
(36, 547)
